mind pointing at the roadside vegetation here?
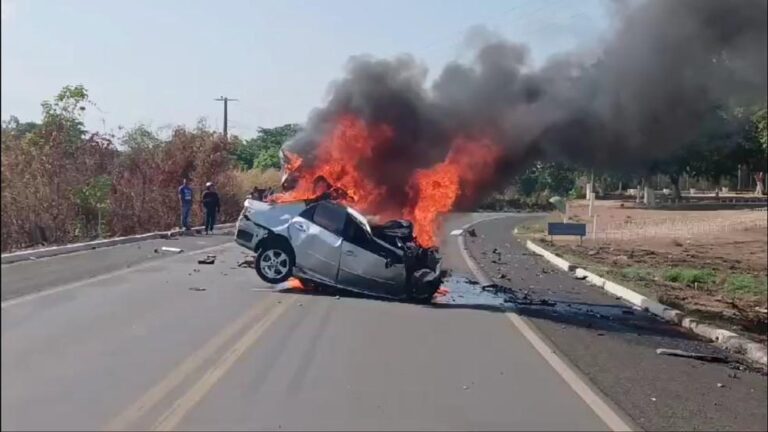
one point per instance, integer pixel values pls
(735, 295)
(62, 183)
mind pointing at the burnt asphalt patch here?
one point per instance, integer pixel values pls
(614, 345)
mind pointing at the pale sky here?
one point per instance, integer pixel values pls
(163, 62)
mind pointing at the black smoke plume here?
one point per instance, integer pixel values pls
(645, 93)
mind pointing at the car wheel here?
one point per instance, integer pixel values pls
(274, 262)
(425, 285)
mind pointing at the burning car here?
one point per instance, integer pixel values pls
(331, 244)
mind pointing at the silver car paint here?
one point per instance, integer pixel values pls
(361, 267)
(320, 254)
(274, 217)
(317, 250)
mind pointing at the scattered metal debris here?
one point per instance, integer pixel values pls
(197, 289)
(471, 232)
(692, 355)
(169, 249)
(209, 259)
(249, 262)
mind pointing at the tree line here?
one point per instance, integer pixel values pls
(62, 183)
(729, 142)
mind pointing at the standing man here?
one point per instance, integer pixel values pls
(185, 201)
(211, 205)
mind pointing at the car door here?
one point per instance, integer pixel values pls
(316, 238)
(368, 265)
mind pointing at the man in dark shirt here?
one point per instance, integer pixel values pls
(185, 202)
(210, 203)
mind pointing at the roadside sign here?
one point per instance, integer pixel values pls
(566, 229)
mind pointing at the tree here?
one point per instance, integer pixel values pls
(760, 121)
(674, 166)
(19, 129)
(262, 152)
(548, 179)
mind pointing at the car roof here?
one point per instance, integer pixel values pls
(360, 218)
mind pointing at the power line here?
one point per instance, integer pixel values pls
(226, 101)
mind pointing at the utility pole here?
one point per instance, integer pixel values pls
(226, 100)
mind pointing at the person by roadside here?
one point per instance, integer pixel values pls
(212, 206)
(185, 202)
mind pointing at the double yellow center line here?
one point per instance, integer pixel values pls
(171, 418)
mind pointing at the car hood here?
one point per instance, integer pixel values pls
(272, 216)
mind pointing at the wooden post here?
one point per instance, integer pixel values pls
(565, 215)
(594, 228)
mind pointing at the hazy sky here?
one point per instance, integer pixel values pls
(162, 62)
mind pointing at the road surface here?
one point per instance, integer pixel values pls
(88, 344)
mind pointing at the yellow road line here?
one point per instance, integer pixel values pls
(176, 413)
(193, 362)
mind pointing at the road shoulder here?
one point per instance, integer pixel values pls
(616, 349)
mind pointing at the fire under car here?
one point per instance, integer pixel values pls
(328, 244)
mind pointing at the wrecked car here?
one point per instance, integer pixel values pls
(330, 244)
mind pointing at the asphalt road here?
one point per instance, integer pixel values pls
(615, 345)
(90, 344)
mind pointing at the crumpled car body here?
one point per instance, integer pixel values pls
(330, 244)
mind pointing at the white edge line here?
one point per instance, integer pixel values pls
(69, 286)
(569, 374)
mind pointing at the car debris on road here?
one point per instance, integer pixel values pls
(692, 355)
(169, 249)
(248, 262)
(209, 259)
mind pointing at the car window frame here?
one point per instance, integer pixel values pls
(353, 222)
(334, 208)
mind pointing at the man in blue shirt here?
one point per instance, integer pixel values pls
(185, 200)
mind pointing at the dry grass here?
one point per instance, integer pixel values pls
(46, 177)
(245, 181)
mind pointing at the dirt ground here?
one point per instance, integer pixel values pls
(710, 263)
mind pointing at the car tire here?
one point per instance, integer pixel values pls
(275, 261)
(425, 285)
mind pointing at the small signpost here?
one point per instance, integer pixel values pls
(566, 229)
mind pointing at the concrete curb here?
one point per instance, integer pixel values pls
(79, 247)
(754, 351)
(610, 413)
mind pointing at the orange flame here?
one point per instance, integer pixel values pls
(292, 161)
(433, 191)
(293, 283)
(468, 164)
